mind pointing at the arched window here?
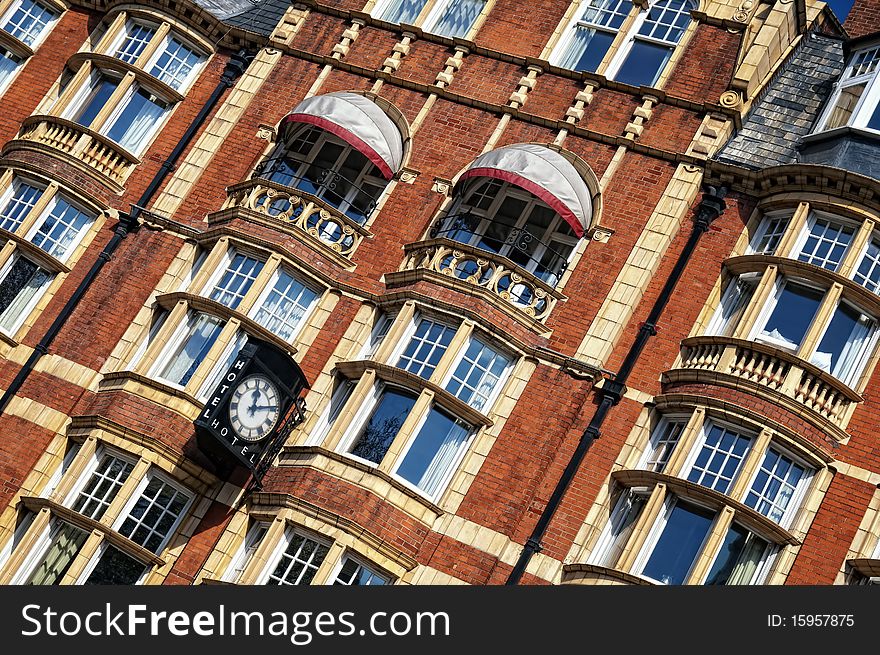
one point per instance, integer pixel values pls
(525, 202)
(340, 147)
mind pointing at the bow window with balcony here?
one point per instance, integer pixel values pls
(451, 18)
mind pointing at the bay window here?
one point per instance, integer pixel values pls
(44, 229)
(237, 291)
(796, 306)
(115, 523)
(707, 503)
(420, 400)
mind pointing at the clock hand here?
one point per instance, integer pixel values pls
(255, 396)
(259, 407)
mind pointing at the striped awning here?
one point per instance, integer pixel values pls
(542, 172)
(358, 121)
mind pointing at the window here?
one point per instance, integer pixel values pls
(769, 235)
(9, 63)
(624, 42)
(149, 517)
(592, 34)
(844, 346)
(501, 218)
(135, 118)
(419, 440)
(236, 280)
(425, 348)
(52, 222)
(734, 301)
(791, 315)
(740, 559)
(719, 458)
(245, 554)
(353, 573)
(27, 21)
(663, 442)
(261, 291)
(826, 242)
(130, 109)
(679, 537)
(320, 163)
(299, 561)
(775, 485)
(619, 527)
(855, 98)
(452, 18)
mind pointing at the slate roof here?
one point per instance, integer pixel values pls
(260, 16)
(789, 106)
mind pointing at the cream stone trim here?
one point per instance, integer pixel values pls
(865, 541)
(210, 141)
(714, 540)
(640, 267)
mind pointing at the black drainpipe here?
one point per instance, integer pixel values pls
(612, 391)
(128, 222)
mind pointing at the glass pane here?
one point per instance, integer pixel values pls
(775, 485)
(740, 556)
(426, 347)
(384, 424)
(102, 487)
(719, 458)
(434, 451)
(175, 63)
(140, 115)
(61, 228)
(769, 235)
(355, 574)
(679, 543)
(191, 349)
(662, 445)
(116, 568)
(792, 315)
(403, 11)
(643, 64)
(95, 101)
(63, 549)
(285, 306)
(236, 280)
(458, 17)
(22, 282)
(136, 39)
(826, 243)
(842, 347)
(23, 198)
(868, 274)
(299, 562)
(28, 20)
(621, 525)
(845, 106)
(477, 375)
(667, 20)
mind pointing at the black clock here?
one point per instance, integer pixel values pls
(255, 403)
(254, 407)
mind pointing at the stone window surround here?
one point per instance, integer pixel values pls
(191, 295)
(835, 288)
(622, 41)
(667, 484)
(15, 242)
(53, 504)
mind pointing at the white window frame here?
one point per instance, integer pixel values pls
(770, 306)
(803, 485)
(43, 33)
(33, 302)
(851, 376)
(653, 439)
(245, 552)
(502, 378)
(807, 229)
(561, 49)
(767, 560)
(350, 555)
(308, 312)
(700, 442)
(279, 549)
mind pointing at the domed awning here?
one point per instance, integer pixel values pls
(358, 121)
(542, 172)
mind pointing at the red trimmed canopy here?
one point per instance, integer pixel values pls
(542, 172)
(358, 121)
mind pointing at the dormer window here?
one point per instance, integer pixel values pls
(855, 99)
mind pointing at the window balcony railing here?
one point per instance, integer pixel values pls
(785, 378)
(444, 260)
(519, 245)
(306, 212)
(334, 188)
(97, 152)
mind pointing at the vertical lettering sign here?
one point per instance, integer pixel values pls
(248, 405)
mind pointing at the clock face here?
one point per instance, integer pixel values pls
(254, 407)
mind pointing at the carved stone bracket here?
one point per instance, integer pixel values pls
(600, 234)
(267, 132)
(408, 175)
(441, 186)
